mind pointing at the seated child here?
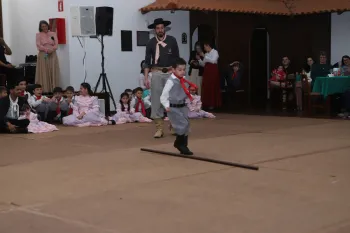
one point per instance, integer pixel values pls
(23, 86)
(70, 99)
(277, 76)
(142, 105)
(39, 102)
(195, 106)
(126, 113)
(86, 110)
(58, 108)
(3, 92)
(35, 126)
(131, 95)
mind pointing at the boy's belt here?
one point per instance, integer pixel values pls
(177, 105)
(161, 69)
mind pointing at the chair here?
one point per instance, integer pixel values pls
(31, 58)
(312, 100)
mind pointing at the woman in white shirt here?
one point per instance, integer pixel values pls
(211, 94)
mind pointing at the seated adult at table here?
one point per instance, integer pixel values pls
(342, 62)
(288, 66)
(345, 65)
(321, 69)
(5, 67)
(10, 108)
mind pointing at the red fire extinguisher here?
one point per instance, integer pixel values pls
(60, 5)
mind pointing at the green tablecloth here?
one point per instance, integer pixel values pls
(331, 85)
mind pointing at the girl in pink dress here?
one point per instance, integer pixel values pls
(195, 106)
(36, 126)
(86, 110)
(126, 113)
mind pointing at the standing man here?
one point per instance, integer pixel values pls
(288, 68)
(5, 67)
(161, 52)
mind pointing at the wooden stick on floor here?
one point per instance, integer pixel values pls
(246, 166)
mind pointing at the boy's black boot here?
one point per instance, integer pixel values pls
(186, 144)
(180, 144)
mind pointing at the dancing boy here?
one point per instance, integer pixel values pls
(173, 98)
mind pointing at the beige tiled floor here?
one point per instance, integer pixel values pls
(89, 180)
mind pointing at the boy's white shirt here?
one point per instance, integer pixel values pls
(164, 98)
(33, 102)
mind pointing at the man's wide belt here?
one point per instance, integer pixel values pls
(161, 69)
(177, 105)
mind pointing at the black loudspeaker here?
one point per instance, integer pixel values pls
(104, 21)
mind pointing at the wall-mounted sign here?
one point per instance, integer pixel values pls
(60, 5)
(184, 38)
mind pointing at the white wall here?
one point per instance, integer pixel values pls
(22, 24)
(340, 38)
(122, 68)
(21, 19)
(6, 22)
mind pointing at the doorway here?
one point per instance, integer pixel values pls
(203, 32)
(259, 68)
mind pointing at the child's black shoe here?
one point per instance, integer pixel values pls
(181, 144)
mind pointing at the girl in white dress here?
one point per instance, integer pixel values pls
(36, 126)
(86, 110)
(195, 106)
(126, 113)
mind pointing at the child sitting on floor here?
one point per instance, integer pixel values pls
(142, 105)
(70, 99)
(126, 113)
(195, 106)
(39, 102)
(86, 110)
(35, 126)
(23, 86)
(3, 92)
(58, 107)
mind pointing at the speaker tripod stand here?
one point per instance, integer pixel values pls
(103, 77)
